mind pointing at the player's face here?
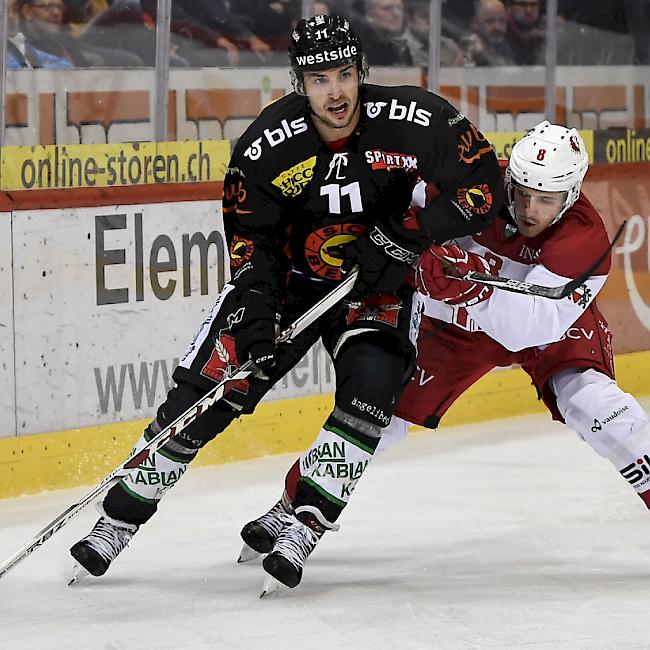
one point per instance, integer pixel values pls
(535, 210)
(334, 98)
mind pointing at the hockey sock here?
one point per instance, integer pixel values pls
(330, 470)
(632, 460)
(611, 421)
(291, 481)
(395, 432)
(135, 498)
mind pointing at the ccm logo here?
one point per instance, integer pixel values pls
(391, 248)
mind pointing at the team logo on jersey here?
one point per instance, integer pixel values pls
(575, 145)
(241, 250)
(476, 199)
(380, 159)
(292, 181)
(581, 296)
(473, 145)
(324, 248)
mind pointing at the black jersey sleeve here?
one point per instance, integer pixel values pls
(254, 227)
(466, 171)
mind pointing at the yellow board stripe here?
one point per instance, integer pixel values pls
(68, 166)
(77, 457)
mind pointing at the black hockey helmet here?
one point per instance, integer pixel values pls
(323, 42)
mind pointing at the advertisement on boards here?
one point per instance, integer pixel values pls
(622, 193)
(107, 299)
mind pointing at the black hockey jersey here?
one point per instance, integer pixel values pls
(291, 203)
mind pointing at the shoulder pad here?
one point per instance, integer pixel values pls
(409, 104)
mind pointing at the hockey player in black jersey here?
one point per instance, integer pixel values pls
(317, 185)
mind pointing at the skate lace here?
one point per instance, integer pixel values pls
(295, 543)
(109, 540)
(275, 520)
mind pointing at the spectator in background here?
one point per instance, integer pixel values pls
(224, 17)
(270, 20)
(525, 32)
(78, 13)
(382, 32)
(487, 45)
(456, 18)
(21, 53)
(199, 38)
(417, 38)
(41, 21)
(128, 26)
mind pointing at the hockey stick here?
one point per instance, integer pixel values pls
(527, 288)
(176, 426)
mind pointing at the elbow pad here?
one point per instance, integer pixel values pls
(444, 219)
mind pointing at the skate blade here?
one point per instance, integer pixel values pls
(247, 554)
(78, 574)
(272, 586)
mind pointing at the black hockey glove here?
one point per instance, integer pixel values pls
(385, 255)
(256, 329)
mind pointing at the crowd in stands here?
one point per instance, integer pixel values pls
(204, 33)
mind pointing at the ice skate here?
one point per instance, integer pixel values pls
(271, 586)
(95, 552)
(77, 575)
(260, 534)
(292, 548)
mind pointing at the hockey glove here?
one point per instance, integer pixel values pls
(386, 252)
(385, 255)
(256, 329)
(431, 280)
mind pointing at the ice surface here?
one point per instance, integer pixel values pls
(512, 534)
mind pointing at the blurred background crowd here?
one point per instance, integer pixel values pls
(59, 34)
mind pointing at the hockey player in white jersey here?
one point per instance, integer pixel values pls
(547, 233)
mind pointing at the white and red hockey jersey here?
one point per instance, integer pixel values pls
(556, 256)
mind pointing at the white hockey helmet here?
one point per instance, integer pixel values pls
(550, 158)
